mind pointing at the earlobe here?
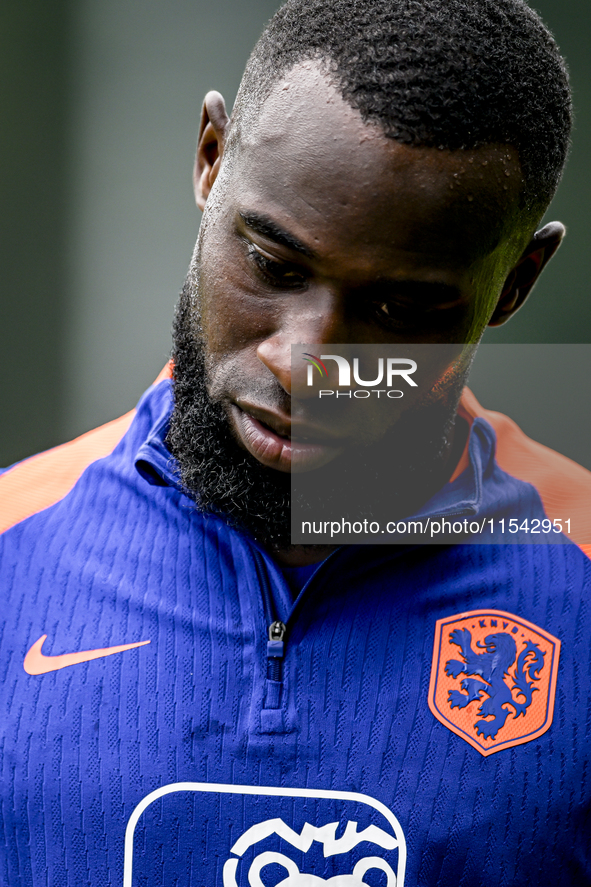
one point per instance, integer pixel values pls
(524, 275)
(210, 145)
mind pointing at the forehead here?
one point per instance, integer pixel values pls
(309, 155)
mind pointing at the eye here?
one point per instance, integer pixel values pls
(281, 275)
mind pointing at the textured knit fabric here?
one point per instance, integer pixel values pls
(250, 760)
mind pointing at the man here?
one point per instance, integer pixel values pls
(203, 702)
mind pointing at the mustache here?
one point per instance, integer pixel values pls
(267, 393)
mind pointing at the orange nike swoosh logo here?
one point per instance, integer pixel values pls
(36, 663)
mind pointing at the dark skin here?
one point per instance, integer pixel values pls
(322, 230)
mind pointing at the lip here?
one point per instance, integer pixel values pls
(267, 437)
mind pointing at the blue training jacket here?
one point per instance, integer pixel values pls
(423, 720)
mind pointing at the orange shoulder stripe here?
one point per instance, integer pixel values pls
(41, 481)
(563, 485)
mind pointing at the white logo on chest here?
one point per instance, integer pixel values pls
(381, 861)
(332, 846)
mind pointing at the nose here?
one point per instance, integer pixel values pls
(319, 322)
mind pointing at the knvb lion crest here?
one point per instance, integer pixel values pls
(493, 678)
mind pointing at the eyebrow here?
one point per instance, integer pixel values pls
(268, 228)
(437, 290)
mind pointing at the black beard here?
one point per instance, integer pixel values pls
(393, 477)
(220, 476)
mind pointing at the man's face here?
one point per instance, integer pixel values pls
(322, 230)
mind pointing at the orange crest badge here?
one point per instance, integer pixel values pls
(493, 678)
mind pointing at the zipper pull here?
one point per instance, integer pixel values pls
(277, 631)
(275, 651)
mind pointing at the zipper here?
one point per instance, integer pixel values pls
(276, 631)
(276, 643)
(275, 651)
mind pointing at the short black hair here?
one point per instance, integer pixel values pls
(442, 73)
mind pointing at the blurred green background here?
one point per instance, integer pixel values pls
(100, 106)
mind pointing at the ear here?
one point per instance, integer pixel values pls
(210, 146)
(523, 276)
